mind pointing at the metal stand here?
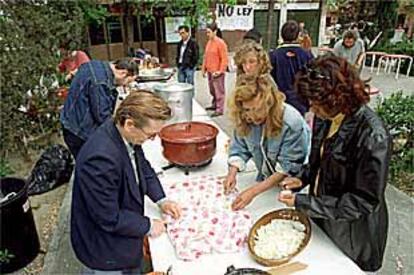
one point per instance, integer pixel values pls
(186, 167)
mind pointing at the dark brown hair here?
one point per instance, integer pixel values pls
(212, 26)
(332, 82)
(142, 106)
(349, 35)
(127, 64)
(290, 31)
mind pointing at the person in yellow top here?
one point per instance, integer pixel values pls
(348, 164)
(214, 66)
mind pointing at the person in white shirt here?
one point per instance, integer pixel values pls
(187, 56)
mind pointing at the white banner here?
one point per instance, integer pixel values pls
(237, 17)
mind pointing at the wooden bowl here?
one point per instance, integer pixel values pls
(286, 214)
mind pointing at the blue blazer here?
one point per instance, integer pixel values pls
(107, 219)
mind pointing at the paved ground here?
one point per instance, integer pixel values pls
(400, 248)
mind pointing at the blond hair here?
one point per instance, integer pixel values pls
(142, 106)
(247, 89)
(262, 57)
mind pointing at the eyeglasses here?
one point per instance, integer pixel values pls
(314, 73)
(148, 135)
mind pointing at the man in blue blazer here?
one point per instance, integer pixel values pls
(111, 178)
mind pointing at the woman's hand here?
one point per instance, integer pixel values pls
(290, 183)
(171, 208)
(230, 180)
(287, 198)
(243, 199)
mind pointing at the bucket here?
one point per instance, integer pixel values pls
(180, 99)
(19, 239)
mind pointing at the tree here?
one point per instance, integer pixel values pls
(31, 32)
(407, 7)
(193, 10)
(270, 14)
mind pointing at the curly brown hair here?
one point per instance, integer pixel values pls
(261, 54)
(332, 82)
(271, 100)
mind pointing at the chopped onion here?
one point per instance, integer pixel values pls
(279, 238)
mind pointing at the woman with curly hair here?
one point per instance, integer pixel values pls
(267, 130)
(251, 59)
(348, 165)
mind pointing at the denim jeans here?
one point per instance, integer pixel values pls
(186, 75)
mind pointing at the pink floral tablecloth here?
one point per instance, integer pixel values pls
(208, 224)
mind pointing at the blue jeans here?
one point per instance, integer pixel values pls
(186, 75)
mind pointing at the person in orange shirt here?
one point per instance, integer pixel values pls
(215, 65)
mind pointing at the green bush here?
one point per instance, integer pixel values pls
(398, 113)
(5, 168)
(31, 32)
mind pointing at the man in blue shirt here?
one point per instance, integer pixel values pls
(92, 97)
(286, 61)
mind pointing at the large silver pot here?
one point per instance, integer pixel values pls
(180, 98)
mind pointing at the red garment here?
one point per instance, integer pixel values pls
(73, 62)
(215, 56)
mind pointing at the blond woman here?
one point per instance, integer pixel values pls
(267, 130)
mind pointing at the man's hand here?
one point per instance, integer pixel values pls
(171, 208)
(243, 199)
(157, 228)
(290, 183)
(216, 74)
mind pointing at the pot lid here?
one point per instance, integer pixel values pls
(188, 132)
(173, 87)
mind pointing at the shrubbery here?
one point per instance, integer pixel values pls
(398, 113)
(31, 32)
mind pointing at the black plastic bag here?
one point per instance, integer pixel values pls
(53, 169)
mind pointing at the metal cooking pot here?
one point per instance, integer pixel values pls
(189, 144)
(180, 99)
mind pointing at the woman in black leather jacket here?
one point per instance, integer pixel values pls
(348, 165)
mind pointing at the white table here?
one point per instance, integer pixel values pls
(321, 255)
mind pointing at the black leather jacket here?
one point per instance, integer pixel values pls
(350, 204)
(191, 53)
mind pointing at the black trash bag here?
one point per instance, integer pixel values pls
(53, 169)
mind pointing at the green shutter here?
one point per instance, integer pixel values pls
(311, 18)
(260, 23)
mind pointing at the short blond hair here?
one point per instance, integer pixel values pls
(142, 106)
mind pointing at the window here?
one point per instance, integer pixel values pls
(114, 27)
(96, 34)
(147, 29)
